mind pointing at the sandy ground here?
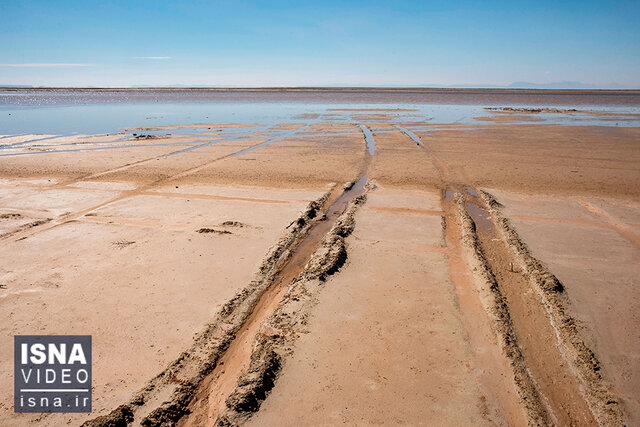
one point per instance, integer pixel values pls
(99, 235)
(567, 160)
(115, 274)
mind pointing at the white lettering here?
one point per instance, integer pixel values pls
(26, 377)
(77, 355)
(86, 376)
(64, 376)
(39, 357)
(58, 353)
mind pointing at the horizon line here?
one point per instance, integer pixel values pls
(311, 87)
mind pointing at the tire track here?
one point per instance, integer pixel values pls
(247, 370)
(215, 386)
(548, 378)
(165, 397)
(624, 230)
(219, 394)
(550, 388)
(22, 234)
(602, 402)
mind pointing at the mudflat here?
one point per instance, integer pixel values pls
(290, 274)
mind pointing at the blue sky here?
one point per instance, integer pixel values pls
(297, 43)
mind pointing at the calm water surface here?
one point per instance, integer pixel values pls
(67, 111)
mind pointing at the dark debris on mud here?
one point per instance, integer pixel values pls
(207, 230)
(142, 136)
(233, 224)
(533, 110)
(122, 243)
(10, 216)
(26, 227)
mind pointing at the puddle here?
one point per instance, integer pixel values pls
(16, 144)
(410, 135)
(480, 216)
(287, 134)
(368, 136)
(471, 192)
(206, 144)
(449, 195)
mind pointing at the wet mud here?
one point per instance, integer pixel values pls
(529, 353)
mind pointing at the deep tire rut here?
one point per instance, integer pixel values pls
(557, 376)
(226, 374)
(552, 296)
(497, 309)
(164, 399)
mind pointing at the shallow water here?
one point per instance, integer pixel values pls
(480, 216)
(411, 135)
(470, 191)
(368, 137)
(65, 112)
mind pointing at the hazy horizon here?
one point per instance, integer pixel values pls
(516, 85)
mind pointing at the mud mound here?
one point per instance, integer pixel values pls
(120, 417)
(332, 254)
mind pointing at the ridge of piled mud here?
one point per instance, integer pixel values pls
(280, 331)
(165, 397)
(24, 226)
(603, 403)
(498, 311)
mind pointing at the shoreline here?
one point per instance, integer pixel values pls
(373, 89)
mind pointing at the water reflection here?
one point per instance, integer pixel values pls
(67, 112)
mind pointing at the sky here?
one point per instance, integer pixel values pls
(318, 43)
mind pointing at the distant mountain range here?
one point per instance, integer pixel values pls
(563, 85)
(530, 85)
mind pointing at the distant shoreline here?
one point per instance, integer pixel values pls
(329, 89)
